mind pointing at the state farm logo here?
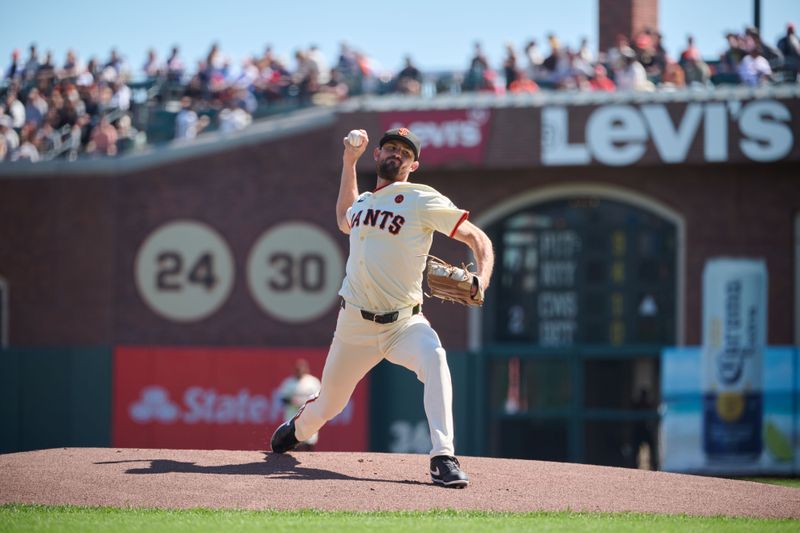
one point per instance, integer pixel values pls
(466, 132)
(154, 405)
(207, 406)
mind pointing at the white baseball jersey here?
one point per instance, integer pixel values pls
(391, 230)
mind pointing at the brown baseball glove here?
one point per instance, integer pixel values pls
(452, 283)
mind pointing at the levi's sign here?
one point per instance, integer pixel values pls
(626, 134)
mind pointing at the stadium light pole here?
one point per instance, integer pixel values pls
(757, 15)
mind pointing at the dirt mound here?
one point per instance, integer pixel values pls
(366, 482)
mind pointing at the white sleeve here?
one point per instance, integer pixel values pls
(439, 213)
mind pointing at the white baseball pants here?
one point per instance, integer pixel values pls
(358, 345)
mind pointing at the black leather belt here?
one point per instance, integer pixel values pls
(386, 318)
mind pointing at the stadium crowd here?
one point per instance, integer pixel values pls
(104, 108)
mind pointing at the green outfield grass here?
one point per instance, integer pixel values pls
(34, 518)
(785, 481)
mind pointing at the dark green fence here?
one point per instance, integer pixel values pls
(397, 415)
(51, 397)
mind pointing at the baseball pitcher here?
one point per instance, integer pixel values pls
(391, 231)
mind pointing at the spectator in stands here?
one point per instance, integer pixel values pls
(75, 138)
(305, 77)
(489, 83)
(72, 108)
(187, 124)
(673, 76)
(333, 92)
(690, 52)
(128, 138)
(522, 83)
(409, 79)
(105, 95)
(8, 138)
(120, 97)
(113, 68)
(584, 53)
(3, 147)
(754, 69)
(630, 75)
(103, 139)
(317, 58)
(90, 95)
(368, 70)
(14, 71)
(175, 67)
(35, 108)
(620, 49)
(151, 67)
(46, 139)
(274, 78)
(55, 110)
(696, 71)
(27, 150)
(577, 65)
(347, 64)
(601, 81)
(71, 68)
(248, 75)
(510, 69)
(32, 64)
(730, 58)
(86, 76)
(550, 63)
(650, 52)
(15, 109)
(773, 56)
(535, 59)
(233, 118)
(46, 73)
(789, 46)
(478, 67)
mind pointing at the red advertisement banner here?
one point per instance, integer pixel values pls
(217, 398)
(447, 136)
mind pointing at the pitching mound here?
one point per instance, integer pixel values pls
(366, 482)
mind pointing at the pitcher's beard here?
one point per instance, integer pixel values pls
(389, 169)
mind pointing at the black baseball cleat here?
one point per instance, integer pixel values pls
(446, 471)
(283, 439)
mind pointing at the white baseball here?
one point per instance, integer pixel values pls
(355, 138)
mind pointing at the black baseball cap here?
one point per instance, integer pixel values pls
(404, 135)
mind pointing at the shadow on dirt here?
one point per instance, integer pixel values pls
(277, 466)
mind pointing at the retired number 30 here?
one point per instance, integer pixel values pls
(306, 272)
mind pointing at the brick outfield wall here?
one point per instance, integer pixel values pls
(67, 243)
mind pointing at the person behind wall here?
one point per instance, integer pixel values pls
(294, 392)
(644, 433)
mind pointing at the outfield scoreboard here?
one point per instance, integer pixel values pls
(585, 271)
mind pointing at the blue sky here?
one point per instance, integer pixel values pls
(438, 34)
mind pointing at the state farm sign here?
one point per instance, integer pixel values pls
(447, 136)
(208, 406)
(217, 398)
(625, 134)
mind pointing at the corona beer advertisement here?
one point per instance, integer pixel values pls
(685, 432)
